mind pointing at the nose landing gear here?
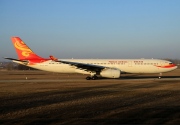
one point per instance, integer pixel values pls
(160, 74)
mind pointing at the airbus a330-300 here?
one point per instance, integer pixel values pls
(94, 68)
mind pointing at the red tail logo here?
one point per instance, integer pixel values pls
(23, 51)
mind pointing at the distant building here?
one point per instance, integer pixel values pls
(2, 65)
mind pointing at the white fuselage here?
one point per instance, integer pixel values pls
(124, 65)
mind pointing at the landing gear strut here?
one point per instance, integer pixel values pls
(160, 74)
(93, 77)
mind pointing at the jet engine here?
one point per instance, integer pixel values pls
(110, 73)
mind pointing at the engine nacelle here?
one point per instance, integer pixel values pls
(110, 73)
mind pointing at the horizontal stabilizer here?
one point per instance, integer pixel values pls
(15, 59)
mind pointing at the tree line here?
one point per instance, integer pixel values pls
(14, 66)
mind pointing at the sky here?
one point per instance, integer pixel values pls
(92, 29)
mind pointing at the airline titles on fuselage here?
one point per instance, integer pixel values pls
(135, 62)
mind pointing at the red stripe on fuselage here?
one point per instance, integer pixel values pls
(167, 66)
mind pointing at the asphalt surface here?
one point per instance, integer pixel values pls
(65, 80)
(62, 99)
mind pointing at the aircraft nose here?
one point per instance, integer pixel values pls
(175, 66)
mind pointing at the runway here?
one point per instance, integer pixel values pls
(46, 98)
(70, 80)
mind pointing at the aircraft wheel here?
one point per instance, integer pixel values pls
(94, 77)
(88, 78)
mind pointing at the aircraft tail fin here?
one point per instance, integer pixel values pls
(22, 50)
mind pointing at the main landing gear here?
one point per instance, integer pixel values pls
(91, 78)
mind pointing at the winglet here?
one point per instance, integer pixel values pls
(53, 58)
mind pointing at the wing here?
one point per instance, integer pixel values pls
(82, 66)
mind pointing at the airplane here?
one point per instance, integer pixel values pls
(94, 68)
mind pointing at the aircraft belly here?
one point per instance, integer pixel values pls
(139, 69)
